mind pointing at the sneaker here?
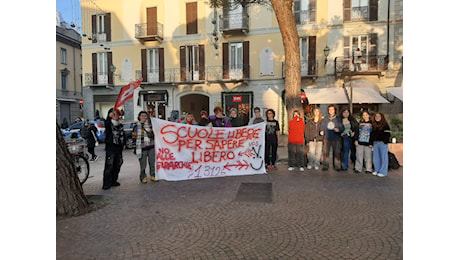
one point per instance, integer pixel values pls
(95, 158)
(274, 167)
(374, 173)
(270, 167)
(316, 167)
(91, 160)
(381, 175)
(368, 172)
(116, 184)
(154, 179)
(144, 180)
(290, 168)
(301, 169)
(309, 167)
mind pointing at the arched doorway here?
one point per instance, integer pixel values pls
(194, 103)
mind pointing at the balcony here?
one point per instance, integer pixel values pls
(303, 17)
(370, 65)
(308, 69)
(149, 32)
(234, 24)
(100, 79)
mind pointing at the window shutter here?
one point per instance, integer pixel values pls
(183, 69)
(373, 10)
(94, 61)
(152, 21)
(312, 11)
(94, 28)
(191, 18)
(297, 11)
(346, 46)
(225, 61)
(109, 73)
(161, 63)
(311, 55)
(346, 10)
(373, 38)
(144, 64)
(202, 64)
(108, 29)
(246, 59)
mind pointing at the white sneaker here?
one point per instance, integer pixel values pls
(309, 167)
(301, 169)
(381, 175)
(290, 168)
(316, 167)
(374, 173)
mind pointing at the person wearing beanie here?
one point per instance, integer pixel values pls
(296, 141)
(235, 120)
(114, 143)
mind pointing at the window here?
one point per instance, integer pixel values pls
(304, 54)
(63, 56)
(360, 10)
(307, 55)
(236, 60)
(304, 11)
(153, 65)
(101, 27)
(64, 80)
(102, 68)
(100, 24)
(193, 64)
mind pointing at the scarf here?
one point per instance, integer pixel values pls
(142, 140)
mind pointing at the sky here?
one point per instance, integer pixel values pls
(70, 11)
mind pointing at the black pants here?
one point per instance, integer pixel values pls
(91, 151)
(113, 162)
(271, 148)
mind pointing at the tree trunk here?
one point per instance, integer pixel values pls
(288, 28)
(70, 199)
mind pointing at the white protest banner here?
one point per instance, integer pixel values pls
(185, 152)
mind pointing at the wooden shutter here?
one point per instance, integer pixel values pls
(346, 46)
(191, 18)
(108, 27)
(183, 69)
(225, 61)
(312, 11)
(246, 59)
(297, 11)
(94, 61)
(373, 10)
(346, 10)
(202, 64)
(144, 64)
(109, 73)
(94, 28)
(161, 63)
(152, 21)
(372, 51)
(311, 55)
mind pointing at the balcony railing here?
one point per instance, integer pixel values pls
(308, 68)
(102, 78)
(360, 14)
(303, 16)
(370, 64)
(149, 32)
(230, 23)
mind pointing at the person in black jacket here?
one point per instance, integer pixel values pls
(314, 140)
(381, 136)
(363, 143)
(114, 144)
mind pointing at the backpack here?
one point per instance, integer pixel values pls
(85, 132)
(393, 161)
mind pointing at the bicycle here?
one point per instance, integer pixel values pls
(77, 151)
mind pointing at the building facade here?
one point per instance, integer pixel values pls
(192, 57)
(68, 74)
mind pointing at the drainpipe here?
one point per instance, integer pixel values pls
(388, 31)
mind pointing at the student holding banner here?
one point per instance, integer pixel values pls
(218, 119)
(144, 139)
(272, 135)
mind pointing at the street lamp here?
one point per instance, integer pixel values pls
(326, 53)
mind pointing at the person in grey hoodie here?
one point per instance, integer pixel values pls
(331, 127)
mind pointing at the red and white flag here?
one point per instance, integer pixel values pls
(127, 92)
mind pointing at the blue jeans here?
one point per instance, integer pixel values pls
(381, 157)
(347, 143)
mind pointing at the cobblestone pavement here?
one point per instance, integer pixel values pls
(313, 215)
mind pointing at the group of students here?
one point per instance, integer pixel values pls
(365, 143)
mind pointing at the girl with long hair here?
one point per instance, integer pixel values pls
(381, 136)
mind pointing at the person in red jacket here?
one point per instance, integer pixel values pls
(296, 142)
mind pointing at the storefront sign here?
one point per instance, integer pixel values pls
(237, 99)
(185, 152)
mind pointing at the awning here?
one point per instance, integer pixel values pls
(337, 96)
(396, 91)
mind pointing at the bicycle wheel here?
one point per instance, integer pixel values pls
(82, 167)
